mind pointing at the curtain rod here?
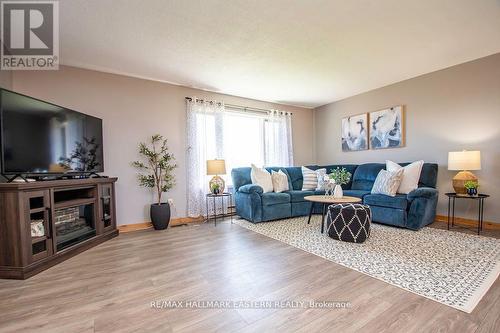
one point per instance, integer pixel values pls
(234, 106)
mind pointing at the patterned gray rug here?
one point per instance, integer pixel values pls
(452, 268)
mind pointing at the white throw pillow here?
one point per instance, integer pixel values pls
(280, 181)
(387, 182)
(310, 177)
(411, 175)
(321, 173)
(261, 177)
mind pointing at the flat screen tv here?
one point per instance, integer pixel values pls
(39, 138)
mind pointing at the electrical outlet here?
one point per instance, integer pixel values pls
(170, 201)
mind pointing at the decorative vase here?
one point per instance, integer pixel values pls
(337, 192)
(160, 215)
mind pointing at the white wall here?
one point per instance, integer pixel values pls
(132, 110)
(453, 109)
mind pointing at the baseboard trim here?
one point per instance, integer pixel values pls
(148, 225)
(185, 220)
(468, 222)
(135, 227)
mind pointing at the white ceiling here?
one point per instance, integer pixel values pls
(304, 53)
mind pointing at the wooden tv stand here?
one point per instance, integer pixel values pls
(45, 222)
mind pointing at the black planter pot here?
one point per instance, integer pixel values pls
(160, 215)
(472, 191)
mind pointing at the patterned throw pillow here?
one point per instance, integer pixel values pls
(310, 178)
(387, 182)
(261, 177)
(280, 181)
(411, 175)
(321, 173)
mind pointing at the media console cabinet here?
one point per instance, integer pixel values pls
(45, 222)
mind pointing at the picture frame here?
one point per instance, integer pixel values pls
(354, 131)
(387, 128)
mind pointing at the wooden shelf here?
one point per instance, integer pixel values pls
(38, 239)
(38, 210)
(75, 188)
(74, 203)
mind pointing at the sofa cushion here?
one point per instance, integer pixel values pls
(399, 201)
(295, 177)
(356, 193)
(428, 176)
(272, 198)
(298, 196)
(365, 176)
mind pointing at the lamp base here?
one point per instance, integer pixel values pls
(216, 185)
(460, 179)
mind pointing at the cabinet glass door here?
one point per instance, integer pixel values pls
(39, 227)
(106, 206)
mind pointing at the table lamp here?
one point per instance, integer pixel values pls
(463, 161)
(216, 168)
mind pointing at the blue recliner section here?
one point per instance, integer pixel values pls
(413, 211)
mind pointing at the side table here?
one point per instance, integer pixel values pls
(451, 208)
(226, 202)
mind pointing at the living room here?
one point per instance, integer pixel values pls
(254, 101)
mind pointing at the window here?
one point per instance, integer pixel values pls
(242, 136)
(244, 139)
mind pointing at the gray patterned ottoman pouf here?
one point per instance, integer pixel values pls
(349, 222)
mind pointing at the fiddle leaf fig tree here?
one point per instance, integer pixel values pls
(157, 166)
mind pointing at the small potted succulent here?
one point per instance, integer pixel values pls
(471, 187)
(158, 166)
(215, 188)
(340, 176)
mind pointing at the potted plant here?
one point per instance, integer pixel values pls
(471, 187)
(158, 166)
(340, 176)
(215, 188)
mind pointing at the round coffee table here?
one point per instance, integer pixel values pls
(326, 201)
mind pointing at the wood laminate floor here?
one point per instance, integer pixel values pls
(110, 289)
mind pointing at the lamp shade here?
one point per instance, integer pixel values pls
(216, 167)
(464, 160)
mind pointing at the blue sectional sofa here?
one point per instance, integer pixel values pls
(413, 211)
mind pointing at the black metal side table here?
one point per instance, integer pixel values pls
(225, 206)
(451, 208)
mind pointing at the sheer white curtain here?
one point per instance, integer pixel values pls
(278, 147)
(239, 138)
(205, 141)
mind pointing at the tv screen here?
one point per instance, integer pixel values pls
(40, 138)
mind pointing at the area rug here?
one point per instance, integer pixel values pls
(452, 268)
